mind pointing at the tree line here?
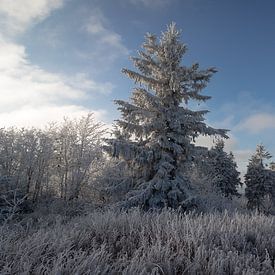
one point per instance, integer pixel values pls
(151, 161)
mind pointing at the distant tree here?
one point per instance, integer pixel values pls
(223, 170)
(258, 180)
(157, 128)
(77, 151)
(271, 185)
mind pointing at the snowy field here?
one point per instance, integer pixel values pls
(137, 243)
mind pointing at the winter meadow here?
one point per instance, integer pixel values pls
(78, 196)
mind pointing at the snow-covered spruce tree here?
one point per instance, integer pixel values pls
(155, 134)
(257, 179)
(223, 170)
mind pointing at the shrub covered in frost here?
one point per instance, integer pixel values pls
(259, 181)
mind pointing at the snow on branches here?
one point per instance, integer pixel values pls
(156, 129)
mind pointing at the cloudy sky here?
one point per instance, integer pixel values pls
(64, 58)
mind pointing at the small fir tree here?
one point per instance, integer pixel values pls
(155, 134)
(223, 170)
(257, 178)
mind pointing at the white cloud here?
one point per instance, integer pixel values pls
(40, 116)
(257, 123)
(82, 81)
(107, 45)
(207, 141)
(95, 23)
(32, 96)
(17, 15)
(96, 26)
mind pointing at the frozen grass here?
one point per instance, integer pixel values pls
(140, 243)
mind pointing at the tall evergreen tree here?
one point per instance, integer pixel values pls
(157, 128)
(257, 179)
(223, 170)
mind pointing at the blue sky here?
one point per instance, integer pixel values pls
(64, 58)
